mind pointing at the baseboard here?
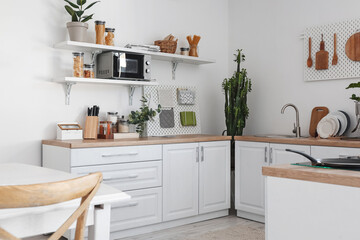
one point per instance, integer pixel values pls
(251, 216)
(166, 225)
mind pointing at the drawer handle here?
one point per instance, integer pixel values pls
(348, 156)
(120, 154)
(132, 204)
(124, 177)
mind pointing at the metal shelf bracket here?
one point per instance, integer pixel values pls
(174, 66)
(68, 92)
(94, 55)
(131, 94)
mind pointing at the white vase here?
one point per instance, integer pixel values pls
(77, 31)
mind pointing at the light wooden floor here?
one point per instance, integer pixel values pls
(195, 229)
(190, 230)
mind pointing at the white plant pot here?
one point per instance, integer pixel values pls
(77, 31)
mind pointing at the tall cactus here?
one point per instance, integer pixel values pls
(236, 89)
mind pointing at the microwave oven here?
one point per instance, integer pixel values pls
(123, 66)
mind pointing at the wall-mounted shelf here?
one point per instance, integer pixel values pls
(70, 81)
(91, 47)
(173, 58)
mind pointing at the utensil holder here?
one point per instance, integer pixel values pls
(91, 127)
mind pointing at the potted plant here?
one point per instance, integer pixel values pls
(77, 27)
(357, 104)
(140, 118)
(236, 89)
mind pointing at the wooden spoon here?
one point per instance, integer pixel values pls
(335, 56)
(309, 60)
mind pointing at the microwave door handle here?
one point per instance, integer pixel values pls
(119, 66)
(121, 62)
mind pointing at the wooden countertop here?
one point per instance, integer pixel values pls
(321, 175)
(302, 141)
(135, 141)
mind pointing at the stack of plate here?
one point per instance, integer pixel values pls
(334, 124)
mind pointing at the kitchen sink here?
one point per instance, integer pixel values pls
(275, 136)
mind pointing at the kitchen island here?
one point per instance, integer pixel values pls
(311, 203)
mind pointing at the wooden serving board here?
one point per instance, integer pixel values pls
(352, 47)
(322, 57)
(316, 115)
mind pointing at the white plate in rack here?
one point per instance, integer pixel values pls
(328, 126)
(343, 121)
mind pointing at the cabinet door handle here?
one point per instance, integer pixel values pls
(131, 204)
(202, 153)
(119, 154)
(123, 177)
(270, 155)
(197, 154)
(266, 154)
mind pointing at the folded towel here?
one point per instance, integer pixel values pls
(188, 118)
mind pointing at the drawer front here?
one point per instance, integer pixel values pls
(108, 155)
(144, 208)
(333, 152)
(127, 176)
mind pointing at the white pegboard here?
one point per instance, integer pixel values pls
(345, 68)
(154, 128)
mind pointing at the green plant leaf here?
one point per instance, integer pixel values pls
(69, 10)
(90, 5)
(87, 18)
(79, 13)
(72, 4)
(354, 85)
(74, 18)
(81, 2)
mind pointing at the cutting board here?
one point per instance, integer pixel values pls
(352, 47)
(316, 115)
(322, 57)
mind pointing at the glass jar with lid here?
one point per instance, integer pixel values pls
(109, 39)
(123, 125)
(89, 70)
(100, 32)
(78, 67)
(113, 117)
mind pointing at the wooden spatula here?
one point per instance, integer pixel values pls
(335, 56)
(322, 57)
(309, 60)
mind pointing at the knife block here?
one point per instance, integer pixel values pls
(91, 127)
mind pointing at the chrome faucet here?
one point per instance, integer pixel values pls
(297, 125)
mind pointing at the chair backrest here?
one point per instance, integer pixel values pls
(19, 196)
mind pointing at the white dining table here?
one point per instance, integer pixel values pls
(25, 222)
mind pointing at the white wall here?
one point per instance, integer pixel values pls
(31, 103)
(268, 31)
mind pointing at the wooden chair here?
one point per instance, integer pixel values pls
(19, 196)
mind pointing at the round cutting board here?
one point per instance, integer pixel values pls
(352, 47)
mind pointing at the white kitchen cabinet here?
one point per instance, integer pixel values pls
(181, 184)
(196, 179)
(127, 176)
(144, 208)
(278, 155)
(214, 176)
(170, 185)
(333, 152)
(250, 157)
